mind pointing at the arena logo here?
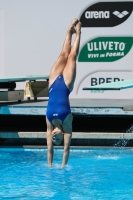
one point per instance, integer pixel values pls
(96, 15)
(105, 49)
(106, 14)
(122, 14)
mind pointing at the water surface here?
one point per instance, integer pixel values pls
(94, 174)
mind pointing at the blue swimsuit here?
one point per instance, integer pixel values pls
(58, 106)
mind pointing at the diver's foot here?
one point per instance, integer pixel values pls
(78, 28)
(73, 26)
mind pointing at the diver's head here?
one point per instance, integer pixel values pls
(57, 136)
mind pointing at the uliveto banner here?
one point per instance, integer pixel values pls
(105, 49)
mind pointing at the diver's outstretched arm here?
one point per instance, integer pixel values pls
(65, 157)
(50, 151)
(67, 141)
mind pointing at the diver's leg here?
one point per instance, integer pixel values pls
(60, 64)
(69, 72)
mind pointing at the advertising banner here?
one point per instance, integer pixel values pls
(105, 49)
(106, 54)
(106, 14)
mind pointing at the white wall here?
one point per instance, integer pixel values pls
(31, 37)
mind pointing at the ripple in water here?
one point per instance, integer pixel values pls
(106, 157)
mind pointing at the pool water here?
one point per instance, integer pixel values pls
(94, 174)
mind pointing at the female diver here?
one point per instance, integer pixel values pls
(61, 82)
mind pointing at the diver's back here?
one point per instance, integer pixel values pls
(58, 105)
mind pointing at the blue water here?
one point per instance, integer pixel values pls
(94, 174)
